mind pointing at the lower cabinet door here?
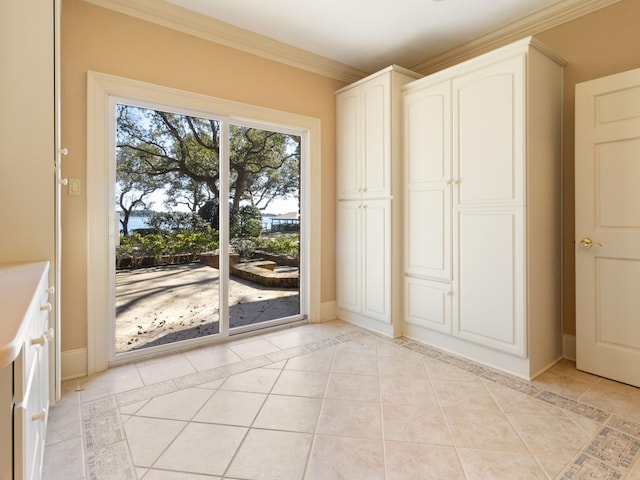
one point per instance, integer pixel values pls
(428, 304)
(489, 278)
(376, 268)
(348, 255)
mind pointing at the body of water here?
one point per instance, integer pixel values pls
(141, 222)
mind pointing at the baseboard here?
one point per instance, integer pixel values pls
(328, 311)
(74, 363)
(569, 347)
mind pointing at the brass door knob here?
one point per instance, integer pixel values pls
(586, 243)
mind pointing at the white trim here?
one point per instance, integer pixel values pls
(177, 18)
(74, 363)
(569, 347)
(192, 23)
(102, 90)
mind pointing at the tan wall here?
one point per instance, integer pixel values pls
(602, 43)
(596, 45)
(104, 41)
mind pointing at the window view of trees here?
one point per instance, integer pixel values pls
(168, 168)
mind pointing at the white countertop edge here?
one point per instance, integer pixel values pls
(18, 283)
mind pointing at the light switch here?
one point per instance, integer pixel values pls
(74, 187)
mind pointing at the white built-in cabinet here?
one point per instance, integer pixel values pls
(369, 196)
(24, 368)
(29, 214)
(482, 152)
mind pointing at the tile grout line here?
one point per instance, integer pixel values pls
(577, 407)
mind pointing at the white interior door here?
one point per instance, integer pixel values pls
(608, 226)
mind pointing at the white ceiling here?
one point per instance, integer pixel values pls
(369, 34)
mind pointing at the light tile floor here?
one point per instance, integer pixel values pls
(331, 401)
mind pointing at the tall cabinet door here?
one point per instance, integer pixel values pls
(348, 178)
(348, 255)
(488, 106)
(376, 135)
(489, 273)
(427, 115)
(376, 241)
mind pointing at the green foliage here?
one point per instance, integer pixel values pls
(244, 247)
(177, 222)
(138, 247)
(245, 222)
(281, 244)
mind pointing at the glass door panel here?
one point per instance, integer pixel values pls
(264, 228)
(166, 199)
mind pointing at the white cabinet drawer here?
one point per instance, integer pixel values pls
(29, 421)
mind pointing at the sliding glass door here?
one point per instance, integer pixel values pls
(207, 228)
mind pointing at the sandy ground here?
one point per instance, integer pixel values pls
(159, 305)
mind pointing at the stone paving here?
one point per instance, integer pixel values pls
(159, 305)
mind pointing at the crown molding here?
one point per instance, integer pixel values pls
(537, 22)
(172, 16)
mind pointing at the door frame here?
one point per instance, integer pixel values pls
(103, 92)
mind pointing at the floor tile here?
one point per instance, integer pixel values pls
(171, 475)
(512, 401)
(271, 455)
(253, 348)
(110, 382)
(623, 400)
(342, 458)
(348, 418)
(345, 404)
(472, 396)
(180, 405)
(63, 423)
(545, 435)
(353, 387)
(161, 369)
(406, 391)
(441, 372)
(295, 414)
(211, 357)
(319, 361)
(260, 380)
(415, 424)
(354, 363)
(422, 462)
(64, 460)
(399, 366)
(480, 429)
(482, 465)
(231, 408)
(305, 384)
(148, 438)
(566, 385)
(202, 448)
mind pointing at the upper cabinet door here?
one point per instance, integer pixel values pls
(427, 141)
(348, 139)
(488, 122)
(364, 140)
(376, 128)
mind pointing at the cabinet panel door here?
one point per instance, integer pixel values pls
(376, 128)
(428, 304)
(428, 237)
(348, 150)
(489, 286)
(488, 134)
(427, 174)
(348, 254)
(376, 269)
